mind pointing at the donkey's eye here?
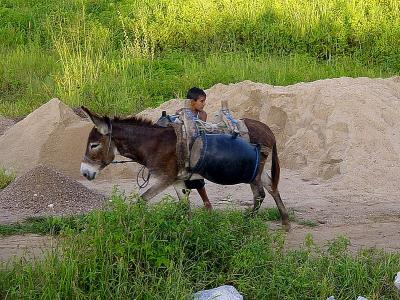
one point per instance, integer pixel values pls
(93, 145)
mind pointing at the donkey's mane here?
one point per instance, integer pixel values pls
(134, 120)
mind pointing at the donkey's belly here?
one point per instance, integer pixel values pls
(224, 159)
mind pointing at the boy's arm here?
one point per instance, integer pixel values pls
(203, 116)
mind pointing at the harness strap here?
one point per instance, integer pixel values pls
(93, 162)
(121, 161)
(181, 150)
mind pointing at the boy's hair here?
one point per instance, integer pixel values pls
(195, 93)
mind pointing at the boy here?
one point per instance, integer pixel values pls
(198, 97)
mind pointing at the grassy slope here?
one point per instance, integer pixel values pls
(125, 55)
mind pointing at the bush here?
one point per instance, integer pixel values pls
(6, 177)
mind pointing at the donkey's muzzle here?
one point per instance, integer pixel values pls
(87, 171)
(89, 176)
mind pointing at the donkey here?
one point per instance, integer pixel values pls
(154, 147)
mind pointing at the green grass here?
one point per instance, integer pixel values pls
(121, 57)
(128, 86)
(159, 252)
(6, 178)
(42, 225)
(54, 225)
(323, 28)
(308, 223)
(272, 214)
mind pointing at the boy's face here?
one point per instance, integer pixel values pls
(199, 103)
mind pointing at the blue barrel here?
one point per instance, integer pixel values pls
(226, 159)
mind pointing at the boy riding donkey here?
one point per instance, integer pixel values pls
(198, 101)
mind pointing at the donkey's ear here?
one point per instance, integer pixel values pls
(101, 123)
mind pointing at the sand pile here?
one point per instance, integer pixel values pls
(336, 129)
(45, 191)
(345, 128)
(52, 135)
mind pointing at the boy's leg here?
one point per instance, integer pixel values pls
(203, 194)
(199, 184)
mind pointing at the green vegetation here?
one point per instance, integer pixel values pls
(272, 214)
(124, 56)
(159, 252)
(42, 225)
(6, 178)
(308, 223)
(54, 225)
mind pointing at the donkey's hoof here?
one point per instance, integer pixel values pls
(250, 213)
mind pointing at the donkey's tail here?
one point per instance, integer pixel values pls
(275, 168)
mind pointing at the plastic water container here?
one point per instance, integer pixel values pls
(397, 281)
(224, 292)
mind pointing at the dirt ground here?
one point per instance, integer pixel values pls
(27, 247)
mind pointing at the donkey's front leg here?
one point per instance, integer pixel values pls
(155, 189)
(183, 194)
(181, 190)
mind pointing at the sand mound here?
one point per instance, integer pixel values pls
(52, 135)
(45, 191)
(344, 127)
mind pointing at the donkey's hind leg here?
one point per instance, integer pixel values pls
(267, 183)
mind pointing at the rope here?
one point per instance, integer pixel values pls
(145, 180)
(140, 173)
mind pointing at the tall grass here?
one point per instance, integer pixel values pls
(320, 27)
(159, 252)
(120, 57)
(118, 86)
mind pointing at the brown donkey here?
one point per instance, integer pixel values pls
(155, 147)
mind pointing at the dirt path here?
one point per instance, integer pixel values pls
(27, 246)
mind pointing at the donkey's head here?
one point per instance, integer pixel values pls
(100, 148)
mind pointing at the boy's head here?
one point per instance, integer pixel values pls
(194, 93)
(198, 97)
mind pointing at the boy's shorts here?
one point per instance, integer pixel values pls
(194, 184)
